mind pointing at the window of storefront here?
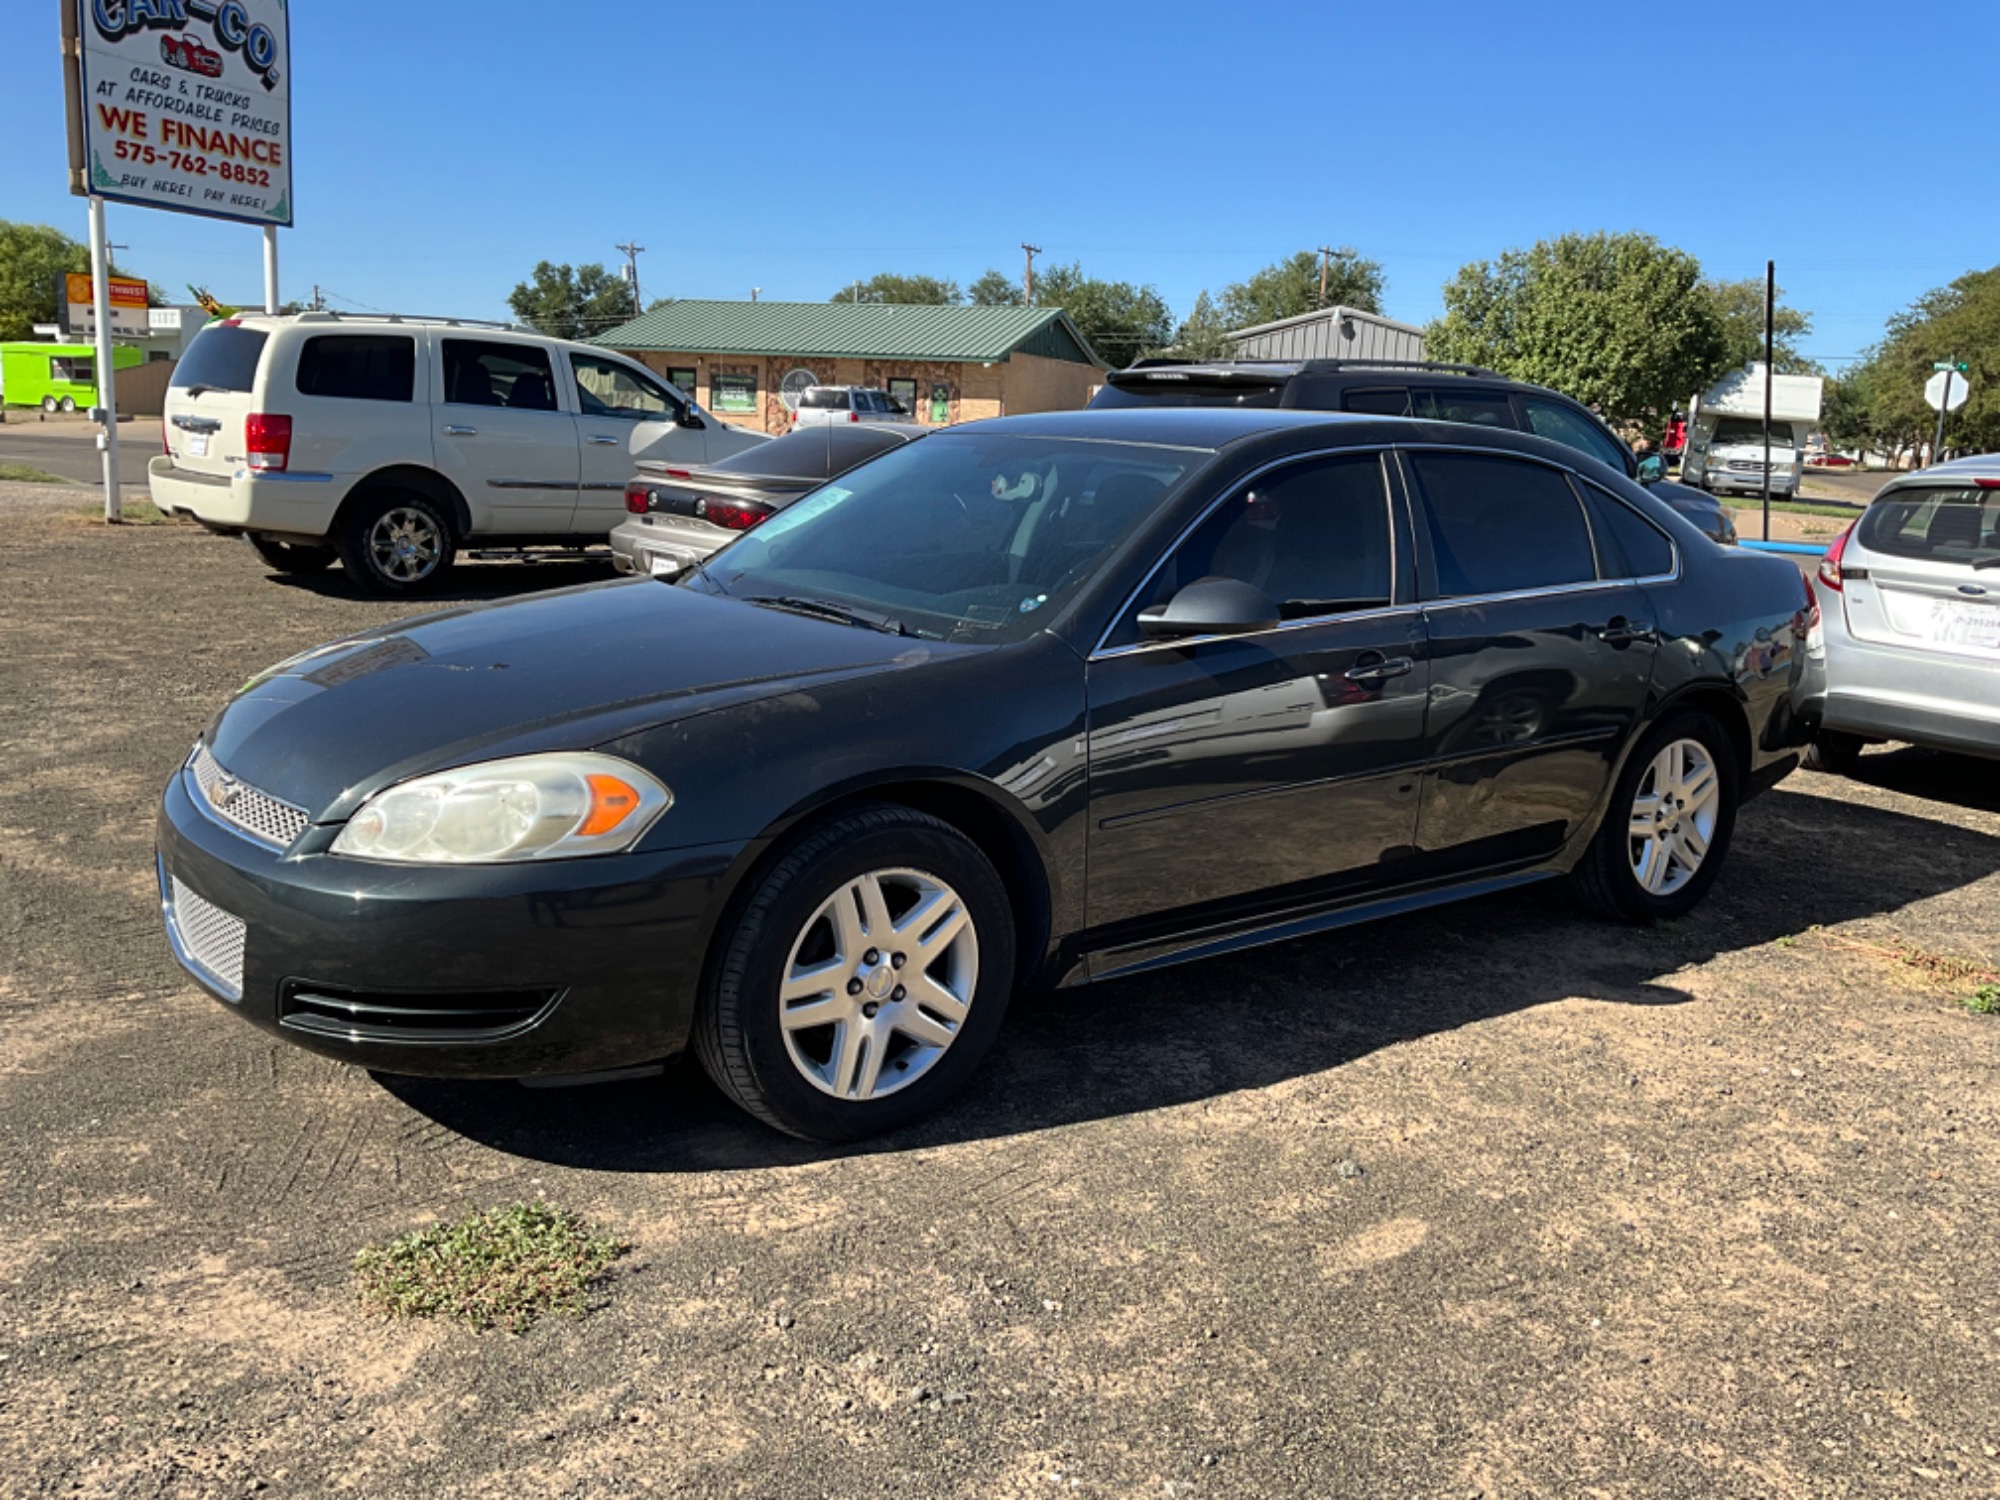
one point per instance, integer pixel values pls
(735, 393)
(683, 376)
(904, 394)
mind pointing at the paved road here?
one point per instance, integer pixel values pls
(1857, 486)
(69, 448)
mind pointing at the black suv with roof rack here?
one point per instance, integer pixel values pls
(1406, 388)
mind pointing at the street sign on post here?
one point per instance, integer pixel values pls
(1945, 364)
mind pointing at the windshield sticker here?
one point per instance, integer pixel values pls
(1033, 602)
(1023, 489)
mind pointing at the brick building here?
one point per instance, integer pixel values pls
(747, 361)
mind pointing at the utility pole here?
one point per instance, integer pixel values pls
(319, 299)
(1325, 260)
(1770, 346)
(754, 291)
(631, 252)
(1028, 277)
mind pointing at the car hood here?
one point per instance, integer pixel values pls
(566, 670)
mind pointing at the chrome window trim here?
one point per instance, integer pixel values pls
(533, 484)
(1102, 652)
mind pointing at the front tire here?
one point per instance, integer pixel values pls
(1667, 826)
(865, 979)
(292, 557)
(49, 405)
(1834, 753)
(397, 543)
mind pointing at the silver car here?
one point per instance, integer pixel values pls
(679, 516)
(838, 405)
(1908, 641)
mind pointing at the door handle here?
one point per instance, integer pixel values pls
(1372, 666)
(1623, 632)
(461, 431)
(601, 442)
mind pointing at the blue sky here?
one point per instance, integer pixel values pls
(441, 148)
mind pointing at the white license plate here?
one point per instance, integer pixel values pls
(661, 566)
(1957, 624)
(197, 445)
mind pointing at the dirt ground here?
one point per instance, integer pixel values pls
(1495, 1201)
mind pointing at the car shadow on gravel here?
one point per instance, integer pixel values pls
(1250, 1020)
(1962, 780)
(470, 583)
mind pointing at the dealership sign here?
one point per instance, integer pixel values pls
(129, 317)
(186, 104)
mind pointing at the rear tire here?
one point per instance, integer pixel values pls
(68, 403)
(1667, 827)
(292, 557)
(1834, 753)
(397, 543)
(823, 935)
(49, 404)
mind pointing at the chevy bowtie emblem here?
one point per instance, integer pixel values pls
(223, 792)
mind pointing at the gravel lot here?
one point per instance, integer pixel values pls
(1496, 1201)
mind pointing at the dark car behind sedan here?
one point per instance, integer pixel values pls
(678, 517)
(1035, 701)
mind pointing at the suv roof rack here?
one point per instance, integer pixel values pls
(1316, 366)
(329, 315)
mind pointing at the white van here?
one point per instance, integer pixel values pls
(390, 443)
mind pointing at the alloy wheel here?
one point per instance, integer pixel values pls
(878, 983)
(1673, 817)
(404, 544)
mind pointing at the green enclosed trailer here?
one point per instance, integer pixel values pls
(56, 377)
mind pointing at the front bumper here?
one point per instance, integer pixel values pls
(601, 956)
(284, 504)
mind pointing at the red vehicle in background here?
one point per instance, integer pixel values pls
(1676, 440)
(185, 52)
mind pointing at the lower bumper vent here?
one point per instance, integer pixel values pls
(411, 1016)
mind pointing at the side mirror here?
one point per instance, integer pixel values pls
(1652, 469)
(1210, 606)
(687, 416)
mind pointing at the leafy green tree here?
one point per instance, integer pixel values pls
(1121, 320)
(1291, 287)
(1619, 321)
(1204, 334)
(995, 289)
(572, 302)
(33, 260)
(1740, 305)
(1879, 402)
(932, 291)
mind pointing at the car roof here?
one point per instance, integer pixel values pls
(1270, 372)
(1178, 426)
(1956, 471)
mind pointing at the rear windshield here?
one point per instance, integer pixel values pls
(817, 397)
(1934, 523)
(812, 452)
(1190, 392)
(223, 357)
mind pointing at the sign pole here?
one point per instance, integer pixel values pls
(1770, 339)
(1937, 437)
(271, 268)
(107, 376)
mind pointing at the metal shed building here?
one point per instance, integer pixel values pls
(1331, 333)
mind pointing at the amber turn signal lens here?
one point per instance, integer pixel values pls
(611, 802)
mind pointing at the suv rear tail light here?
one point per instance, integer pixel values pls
(638, 499)
(1829, 565)
(732, 515)
(267, 442)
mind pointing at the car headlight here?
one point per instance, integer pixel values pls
(529, 807)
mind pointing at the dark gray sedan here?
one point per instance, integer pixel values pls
(680, 516)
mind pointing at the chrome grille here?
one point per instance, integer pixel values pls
(209, 939)
(258, 814)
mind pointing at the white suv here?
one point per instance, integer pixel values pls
(390, 442)
(823, 405)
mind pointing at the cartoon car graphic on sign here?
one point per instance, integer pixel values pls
(186, 52)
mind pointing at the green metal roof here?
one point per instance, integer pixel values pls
(854, 330)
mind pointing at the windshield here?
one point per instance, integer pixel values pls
(1934, 523)
(958, 537)
(1749, 431)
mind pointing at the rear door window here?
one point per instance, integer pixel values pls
(1481, 409)
(223, 357)
(1501, 525)
(513, 375)
(1381, 403)
(1642, 549)
(1933, 523)
(1574, 430)
(358, 366)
